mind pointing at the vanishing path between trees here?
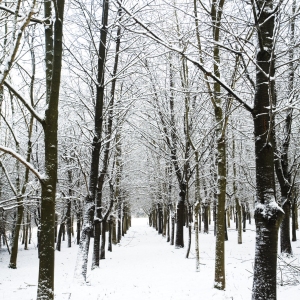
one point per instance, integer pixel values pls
(145, 266)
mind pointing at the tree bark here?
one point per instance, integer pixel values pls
(14, 249)
(50, 124)
(267, 214)
(82, 257)
(294, 218)
(180, 220)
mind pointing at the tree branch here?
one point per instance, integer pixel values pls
(169, 46)
(23, 161)
(26, 104)
(35, 20)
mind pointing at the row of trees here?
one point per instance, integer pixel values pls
(158, 102)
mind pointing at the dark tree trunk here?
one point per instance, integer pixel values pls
(103, 240)
(200, 219)
(78, 226)
(60, 232)
(190, 220)
(168, 228)
(160, 218)
(110, 222)
(172, 228)
(97, 237)
(14, 249)
(107, 149)
(215, 216)
(294, 216)
(56, 225)
(225, 227)
(69, 221)
(283, 170)
(50, 125)
(244, 217)
(26, 229)
(239, 220)
(123, 223)
(164, 221)
(119, 235)
(63, 231)
(114, 232)
(285, 240)
(82, 257)
(205, 218)
(156, 220)
(179, 242)
(267, 214)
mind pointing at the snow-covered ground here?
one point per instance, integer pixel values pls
(145, 266)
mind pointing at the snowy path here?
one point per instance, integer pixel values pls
(144, 267)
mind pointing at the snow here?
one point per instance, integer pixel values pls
(269, 209)
(144, 266)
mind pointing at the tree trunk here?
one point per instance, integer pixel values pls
(196, 214)
(82, 257)
(190, 216)
(179, 242)
(281, 159)
(14, 249)
(267, 214)
(239, 219)
(172, 228)
(103, 239)
(225, 228)
(60, 232)
(110, 222)
(26, 231)
(237, 202)
(294, 217)
(228, 216)
(69, 220)
(78, 226)
(107, 149)
(244, 217)
(285, 240)
(160, 218)
(164, 221)
(168, 226)
(220, 224)
(50, 124)
(215, 215)
(119, 235)
(114, 232)
(205, 218)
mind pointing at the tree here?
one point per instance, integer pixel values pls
(81, 264)
(48, 182)
(267, 213)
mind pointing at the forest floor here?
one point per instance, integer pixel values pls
(145, 266)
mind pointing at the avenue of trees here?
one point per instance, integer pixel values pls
(184, 110)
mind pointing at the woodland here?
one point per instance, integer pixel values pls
(184, 111)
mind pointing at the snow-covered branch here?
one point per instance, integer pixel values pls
(162, 41)
(35, 20)
(23, 161)
(15, 43)
(8, 178)
(26, 104)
